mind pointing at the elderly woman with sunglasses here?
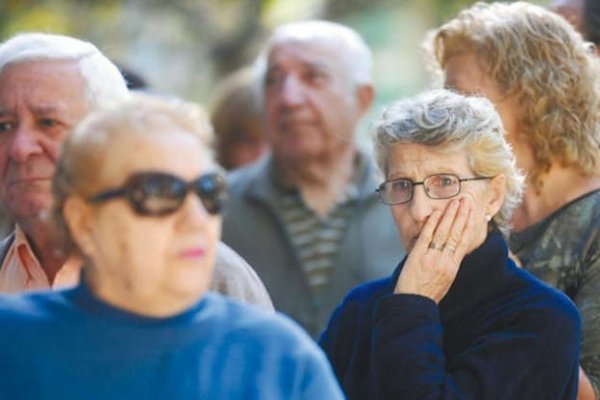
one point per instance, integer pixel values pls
(141, 197)
(457, 318)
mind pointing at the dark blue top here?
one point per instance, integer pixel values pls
(70, 345)
(499, 333)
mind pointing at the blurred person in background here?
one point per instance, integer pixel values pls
(133, 79)
(7, 225)
(48, 83)
(46, 87)
(139, 198)
(544, 81)
(237, 120)
(457, 318)
(584, 15)
(307, 217)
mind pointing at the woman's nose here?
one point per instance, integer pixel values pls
(193, 210)
(421, 205)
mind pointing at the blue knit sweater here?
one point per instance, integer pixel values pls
(498, 334)
(69, 345)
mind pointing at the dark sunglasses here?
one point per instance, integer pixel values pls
(158, 193)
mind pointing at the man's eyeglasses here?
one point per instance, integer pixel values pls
(437, 186)
(158, 193)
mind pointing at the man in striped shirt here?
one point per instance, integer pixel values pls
(306, 216)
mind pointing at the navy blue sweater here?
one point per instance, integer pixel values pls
(498, 334)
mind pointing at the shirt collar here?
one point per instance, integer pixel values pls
(24, 253)
(36, 278)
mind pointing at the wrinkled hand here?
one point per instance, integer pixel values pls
(433, 263)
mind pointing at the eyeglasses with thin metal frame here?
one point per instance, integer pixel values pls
(437, 186)
(159, 193)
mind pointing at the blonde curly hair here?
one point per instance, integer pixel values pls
(537, 57)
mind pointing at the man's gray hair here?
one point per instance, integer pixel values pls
(103, 80)
(444, 120)
(356, 55)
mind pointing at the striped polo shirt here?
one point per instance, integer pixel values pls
(316, 238)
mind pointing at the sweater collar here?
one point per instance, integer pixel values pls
(88, 302)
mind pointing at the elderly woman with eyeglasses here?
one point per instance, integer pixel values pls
(457, 318)
(141, 198)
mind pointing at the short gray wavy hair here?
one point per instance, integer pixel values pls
(448, 121)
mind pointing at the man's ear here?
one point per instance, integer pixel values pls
(496, 194)
(78, 214)
(365, 95)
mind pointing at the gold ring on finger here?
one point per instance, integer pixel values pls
(434, 246)
(450, 247)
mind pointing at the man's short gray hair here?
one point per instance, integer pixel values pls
(356, 55)
(444, 120)
(104, 83)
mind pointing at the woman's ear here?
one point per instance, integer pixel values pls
(496, 194)
(78, 215)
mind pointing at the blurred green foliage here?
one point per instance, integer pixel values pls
(58, 16)
(186, 46)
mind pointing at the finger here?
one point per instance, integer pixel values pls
(466, 238)
(426, 234)
(442, 231)
(458, 226)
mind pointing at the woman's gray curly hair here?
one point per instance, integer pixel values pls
(448, 121)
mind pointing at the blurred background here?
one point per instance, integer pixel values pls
(186, 47)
